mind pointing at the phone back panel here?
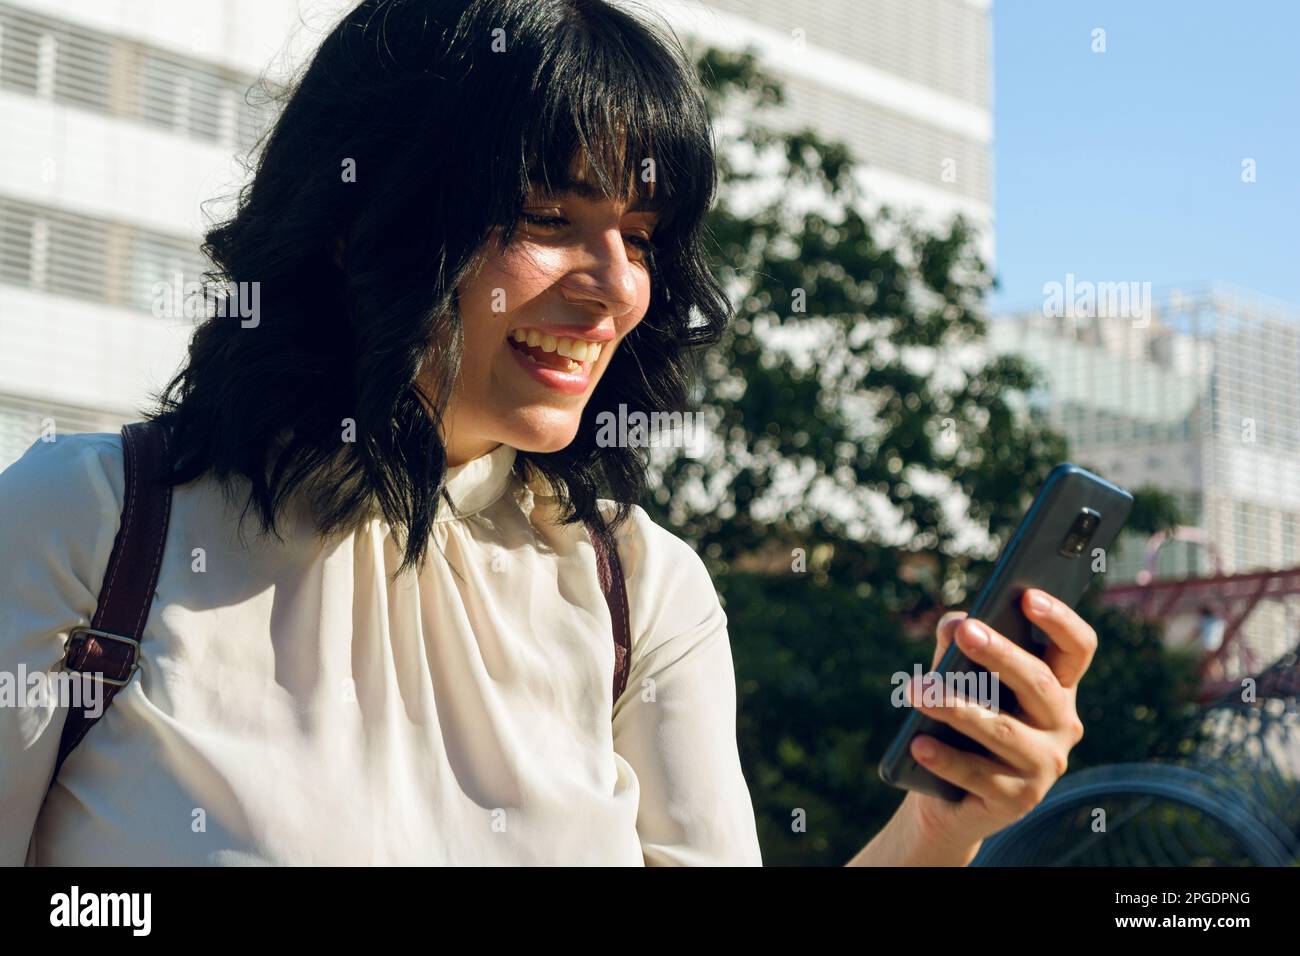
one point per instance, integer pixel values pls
(1032, 558)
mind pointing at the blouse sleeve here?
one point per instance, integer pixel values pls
(59, 506)
(675, 723)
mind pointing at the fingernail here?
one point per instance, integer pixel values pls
(1039, 602)
(976, 636)
(924, 748)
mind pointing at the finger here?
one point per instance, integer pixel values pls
(1043, 702)
(980, 775)
(1074, 642)
(943, 633)
(1011, 739)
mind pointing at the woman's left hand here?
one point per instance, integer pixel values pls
(1030, 750)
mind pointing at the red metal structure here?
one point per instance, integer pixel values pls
(1234, 597)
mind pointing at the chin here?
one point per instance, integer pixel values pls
(545, 432)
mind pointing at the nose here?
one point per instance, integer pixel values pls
(601, 279)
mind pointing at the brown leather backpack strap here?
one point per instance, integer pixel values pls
(110, 647)
(615, 588)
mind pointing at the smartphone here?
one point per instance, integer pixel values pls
(1058, 546)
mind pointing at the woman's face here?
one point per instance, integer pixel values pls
(575, 279)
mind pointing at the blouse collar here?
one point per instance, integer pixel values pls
(477, 483)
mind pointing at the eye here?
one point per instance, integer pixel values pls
(545, 222)
(644, 243)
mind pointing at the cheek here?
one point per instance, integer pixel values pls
(512, 277)
(505, 282)
(642, 292)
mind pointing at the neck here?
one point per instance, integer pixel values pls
(461, 453)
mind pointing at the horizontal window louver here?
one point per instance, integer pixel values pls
(74, 65)
(52, 250)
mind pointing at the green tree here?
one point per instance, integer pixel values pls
(849, 366)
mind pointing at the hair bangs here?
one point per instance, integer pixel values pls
(608, 108)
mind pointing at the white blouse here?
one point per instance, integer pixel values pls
(296, 706)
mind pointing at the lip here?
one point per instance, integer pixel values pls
(570, 383)
(587, 333)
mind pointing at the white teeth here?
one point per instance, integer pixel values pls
(570, 366)
(577, 350)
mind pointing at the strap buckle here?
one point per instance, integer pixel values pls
(85, 631)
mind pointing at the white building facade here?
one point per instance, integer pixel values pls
(119, 118)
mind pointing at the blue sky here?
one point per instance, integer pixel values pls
(1126, 165)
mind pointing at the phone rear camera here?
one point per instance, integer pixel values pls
(1080, 533)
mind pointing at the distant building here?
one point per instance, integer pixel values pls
(1195, 394)
(119, 120)
(907, 85)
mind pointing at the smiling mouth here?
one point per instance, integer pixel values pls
(561, 354)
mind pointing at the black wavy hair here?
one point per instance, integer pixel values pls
(449, 111)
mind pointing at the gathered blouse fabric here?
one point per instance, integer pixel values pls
(297, 705)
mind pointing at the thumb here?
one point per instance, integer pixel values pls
(944, 632)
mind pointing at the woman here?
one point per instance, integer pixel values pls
(410, 661)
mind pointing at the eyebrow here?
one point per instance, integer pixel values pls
(588, 190)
